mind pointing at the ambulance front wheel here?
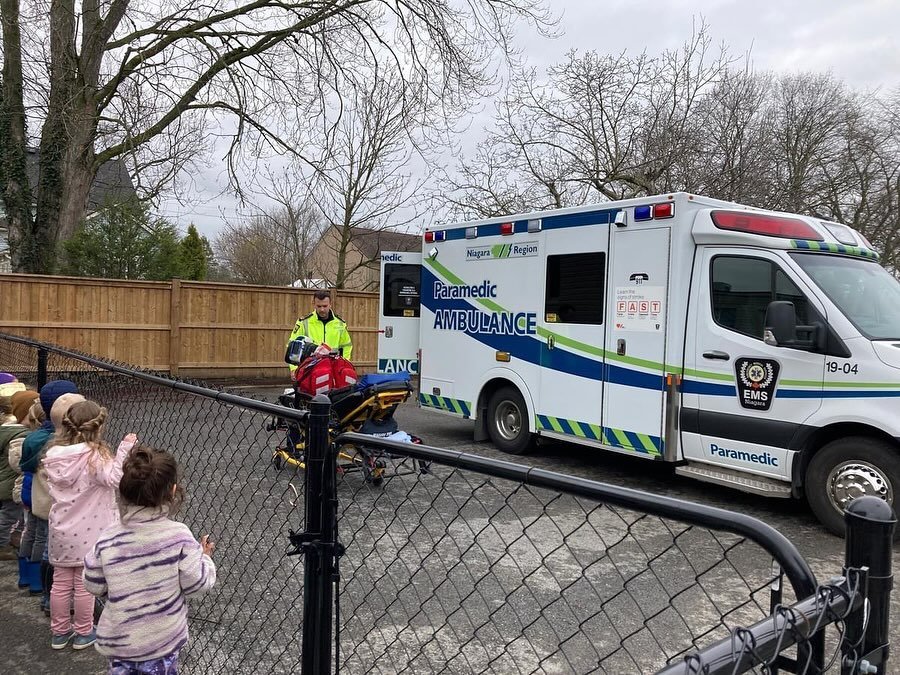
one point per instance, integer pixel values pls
(508, 421)
(846, 469)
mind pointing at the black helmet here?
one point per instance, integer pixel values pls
(299, 350)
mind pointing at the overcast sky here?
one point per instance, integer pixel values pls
(857, 41)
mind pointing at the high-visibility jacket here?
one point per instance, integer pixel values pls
(333, 332)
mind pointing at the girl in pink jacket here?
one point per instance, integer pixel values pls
(83, 476)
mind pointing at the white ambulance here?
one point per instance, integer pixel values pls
(754, 349)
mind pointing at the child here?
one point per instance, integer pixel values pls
(83, 476)
(33, 420)
(12, 433)
(34, 541)
(147, 565)
(40, 495)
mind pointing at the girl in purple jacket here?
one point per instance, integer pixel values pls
(146, 565)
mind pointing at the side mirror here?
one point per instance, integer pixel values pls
(781, 324)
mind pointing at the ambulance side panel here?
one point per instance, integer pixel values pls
(398, 312)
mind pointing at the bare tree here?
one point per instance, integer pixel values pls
(363, 184)
(602, 126)
(123, 74)
(273, 245)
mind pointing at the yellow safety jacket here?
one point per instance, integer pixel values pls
(333, 332)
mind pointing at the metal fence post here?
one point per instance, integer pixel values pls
(870, 534)
(42, 369)
(318, 542)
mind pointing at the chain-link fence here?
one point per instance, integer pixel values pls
(250, 622)
(483, 566)
(461, 564)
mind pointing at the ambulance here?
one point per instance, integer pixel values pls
(751, 349)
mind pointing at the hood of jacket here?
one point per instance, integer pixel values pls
(52, 391)
(64, 464)
(31, 449)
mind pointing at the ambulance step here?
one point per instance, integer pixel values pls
(746, 482)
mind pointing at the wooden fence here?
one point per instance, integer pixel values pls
(195, 329)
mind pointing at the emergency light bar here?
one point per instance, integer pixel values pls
(440, 235)
(654, 211)
(769, 226)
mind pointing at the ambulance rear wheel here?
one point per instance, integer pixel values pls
(849, 468)
(508, 421)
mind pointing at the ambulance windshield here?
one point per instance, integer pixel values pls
(863, 290)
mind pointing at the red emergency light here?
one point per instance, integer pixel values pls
(664, 210)
(769, 226)
(429, 237)
(507, 228)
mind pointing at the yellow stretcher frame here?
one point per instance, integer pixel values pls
(350, 458)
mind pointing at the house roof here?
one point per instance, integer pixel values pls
(371, 243)
(112, 182)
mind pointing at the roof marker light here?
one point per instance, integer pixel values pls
(507, 228)
(535, 225)
(841, 232)
(766, 225)
(664, 210)
(643, 212)
(471, 232)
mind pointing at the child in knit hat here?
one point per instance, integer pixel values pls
(34, 540)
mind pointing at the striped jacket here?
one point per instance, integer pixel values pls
(145, 565)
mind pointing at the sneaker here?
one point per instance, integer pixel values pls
(84, 641)
(61, 641)
(45, 605)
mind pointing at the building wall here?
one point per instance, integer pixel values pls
(325, 263)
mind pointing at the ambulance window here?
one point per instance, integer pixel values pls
(401, 290)
(742, 289)
(575, 287)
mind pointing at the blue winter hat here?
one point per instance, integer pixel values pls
(6, 378)
(52, 391)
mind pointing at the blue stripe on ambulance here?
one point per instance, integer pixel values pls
(529, 349)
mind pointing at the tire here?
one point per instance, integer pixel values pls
(867, 466)
(507, 421)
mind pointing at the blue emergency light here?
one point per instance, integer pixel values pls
(643, 212)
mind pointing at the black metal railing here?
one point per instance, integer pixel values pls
(470, 564)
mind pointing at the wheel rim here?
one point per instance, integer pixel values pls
(508, 420)
(850, 480)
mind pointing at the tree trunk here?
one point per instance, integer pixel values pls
(67, 154)
(13, 169)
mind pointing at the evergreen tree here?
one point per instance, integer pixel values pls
(194, 255)
(123, 241)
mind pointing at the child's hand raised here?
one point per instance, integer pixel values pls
(207, 544)
(131, 439)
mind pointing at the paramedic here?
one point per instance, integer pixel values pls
(323, 325)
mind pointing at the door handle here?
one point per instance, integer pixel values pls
(551, 342)
(716, 355)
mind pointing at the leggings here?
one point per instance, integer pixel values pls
(68, 585)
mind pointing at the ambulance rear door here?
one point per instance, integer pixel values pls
(398, 315)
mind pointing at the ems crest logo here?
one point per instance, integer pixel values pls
(756, 380)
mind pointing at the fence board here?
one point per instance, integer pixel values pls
(195, 329)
